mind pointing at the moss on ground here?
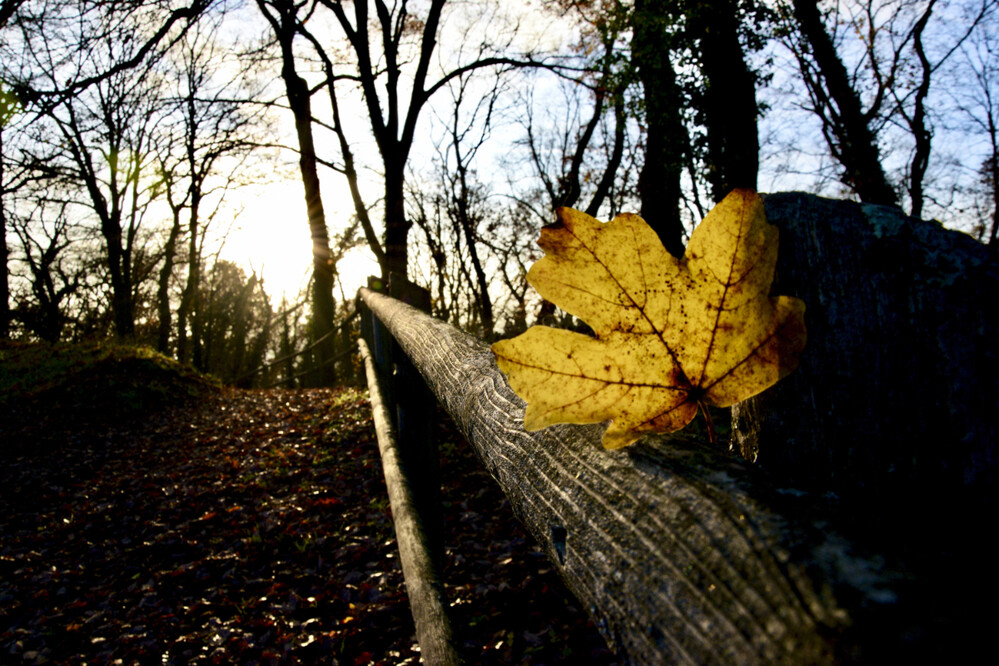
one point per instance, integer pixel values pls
(54, 385)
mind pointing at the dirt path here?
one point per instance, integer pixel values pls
(254, 528)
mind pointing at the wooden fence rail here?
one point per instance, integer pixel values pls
(677, 552)
(684, 554)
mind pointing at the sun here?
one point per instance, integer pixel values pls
(270, 237)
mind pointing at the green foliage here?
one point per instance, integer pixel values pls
(10, 106)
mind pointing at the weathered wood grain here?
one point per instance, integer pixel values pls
(423, 585)
(681, 554)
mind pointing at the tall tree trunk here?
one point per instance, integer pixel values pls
(849, 135)
(109, 211)
(569, 188)
(617, 152)
(122, 308)
(202, 329)
(122, 305)
(666, 142)
(286, 349)
(922, 135)
(728, 106)
(993, 174)
(323, 305)
(349, 168)
(396, 224)
(465, 220)
(163, 288)
(189, 299)
(5, 312)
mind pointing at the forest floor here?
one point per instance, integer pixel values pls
(250, 526)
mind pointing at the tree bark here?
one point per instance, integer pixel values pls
(617, 152)
(921, 134)
(299, 100)
(666, 141)
(993, 174)
(189, 297)
(347, 155)
(396, 225)
(190, 300)
(728, 101)
(163, 287)
(116, 251)
(5, 310)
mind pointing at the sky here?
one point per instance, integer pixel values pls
(271, 235)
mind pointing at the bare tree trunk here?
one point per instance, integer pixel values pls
(347, 154)
(126, 140)
(993, 168)
(396, 224)
(122, 306)
(299, 99)
(189, 296)
(728, 102)
(666, 142)
(5, 312)
(848, 133)
(287, 348)
(465, 221)
(323, 306)
(617, 152)
(917, 123)
(569, 189)
(190, 300)
(163, 287)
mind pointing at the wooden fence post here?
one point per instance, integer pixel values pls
(411, 404)
(415, 409)
(422, 574)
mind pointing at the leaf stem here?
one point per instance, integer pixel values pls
(712, 438)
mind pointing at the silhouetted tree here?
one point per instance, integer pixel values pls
(845, 124)
(53, 276)
(207, 128)
(233, 326)
(725, 100)
(282, 15)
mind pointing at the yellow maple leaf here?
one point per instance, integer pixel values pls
(673, 335)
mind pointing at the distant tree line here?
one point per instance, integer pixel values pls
(128, 129)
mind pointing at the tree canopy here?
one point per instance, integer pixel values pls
(437, 137)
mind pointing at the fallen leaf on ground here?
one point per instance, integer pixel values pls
(247, 527)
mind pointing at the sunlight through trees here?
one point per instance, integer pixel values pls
(435, 139)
